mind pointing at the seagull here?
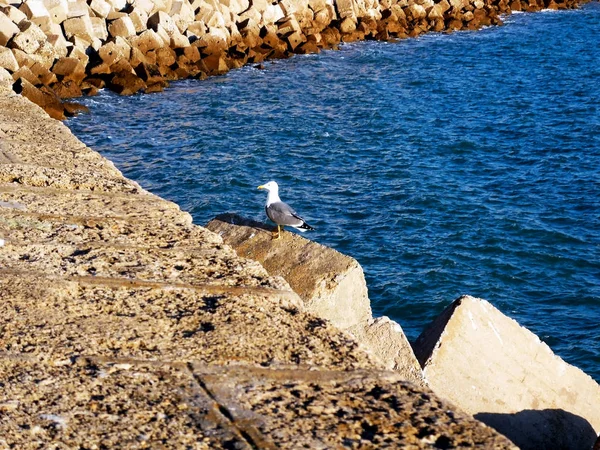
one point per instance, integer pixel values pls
(281, 213)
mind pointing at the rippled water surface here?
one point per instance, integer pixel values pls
(449, 164)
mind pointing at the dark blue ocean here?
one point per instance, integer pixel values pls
(450, 164)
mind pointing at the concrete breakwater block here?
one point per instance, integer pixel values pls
(331, 284)
(97, 402)
(122, 325)
(387, 341)
(501, 373)
(116, 40)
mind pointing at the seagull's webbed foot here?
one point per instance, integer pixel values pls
(279, 227)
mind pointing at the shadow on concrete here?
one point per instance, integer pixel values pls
(554, 429)
(235, 219)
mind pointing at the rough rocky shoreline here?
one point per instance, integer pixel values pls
(483, 361)
(123, 324)
(51, 50)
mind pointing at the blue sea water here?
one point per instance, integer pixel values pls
(449, 164)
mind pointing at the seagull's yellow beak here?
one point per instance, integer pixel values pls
(261, 187)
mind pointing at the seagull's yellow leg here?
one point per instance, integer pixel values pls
(278, 233)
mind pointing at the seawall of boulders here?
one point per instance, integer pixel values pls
(472, 354)
(51, 50)
(331, 285)
(125, 326)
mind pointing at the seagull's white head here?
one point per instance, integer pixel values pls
(273, 192)
(271, 186)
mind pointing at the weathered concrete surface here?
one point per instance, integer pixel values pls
(353, 409)
(491, 367)
(82, 403)
(385, 339)
(124, 325)
(332, 286)
(124, 403)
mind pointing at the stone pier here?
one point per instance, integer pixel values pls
(123, 325)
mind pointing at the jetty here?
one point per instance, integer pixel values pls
(55, 50)
(125, 325)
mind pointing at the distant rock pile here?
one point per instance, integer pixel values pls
(59, 49)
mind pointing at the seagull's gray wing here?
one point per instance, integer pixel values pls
(282, 214)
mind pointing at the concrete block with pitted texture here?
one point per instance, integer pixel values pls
(122, 324)
(491, 367)
(330, 284)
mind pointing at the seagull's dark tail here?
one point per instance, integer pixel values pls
(305, 226)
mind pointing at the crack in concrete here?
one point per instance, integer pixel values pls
(141, 196)
(134, 283)
(249, 434)
(6, 156)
